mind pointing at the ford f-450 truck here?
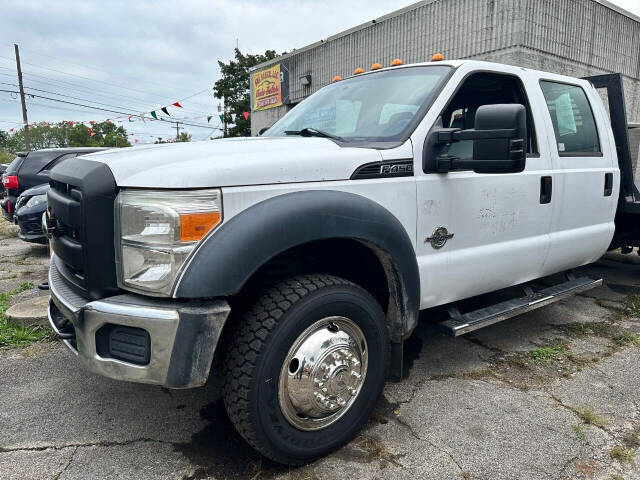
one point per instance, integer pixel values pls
(297, 263)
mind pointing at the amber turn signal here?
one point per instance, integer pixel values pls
(396, 62)
(358, 71)
(194, 226)
(437, 57)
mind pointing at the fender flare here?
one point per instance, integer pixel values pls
(228, 257)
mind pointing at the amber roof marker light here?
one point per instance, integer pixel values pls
(376, 66)
(396, 62)
(337, 78)
(437, 57)
(358, 71)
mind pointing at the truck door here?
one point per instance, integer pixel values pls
(585, 174)
(481, 232)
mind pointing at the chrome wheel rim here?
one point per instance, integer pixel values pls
(323, 373)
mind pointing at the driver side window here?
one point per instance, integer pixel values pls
(485, 89)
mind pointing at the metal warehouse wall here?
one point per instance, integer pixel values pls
(572, 37)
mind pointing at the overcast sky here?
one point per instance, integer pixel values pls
(137, 56)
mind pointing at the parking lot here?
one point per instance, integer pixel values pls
(552, 394)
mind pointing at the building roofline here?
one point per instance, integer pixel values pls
(618, 9)
(396, 13)
(344, 33)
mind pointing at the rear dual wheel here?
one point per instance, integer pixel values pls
(306, 367)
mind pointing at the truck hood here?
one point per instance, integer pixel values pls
(234, 161)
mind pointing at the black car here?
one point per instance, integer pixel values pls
(30, 169)
(3, 168)
(30, 206)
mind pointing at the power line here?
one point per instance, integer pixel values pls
(98, 81)
(119, 75)
(88, 100)
(99, 93)
(31, 104)
(213, 130)
(84, 65)
(191, 124)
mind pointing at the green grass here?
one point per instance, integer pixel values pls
(579, 431)
(8, 231)
(544, 354)
(632, 306)
(632, 439)
(580, 329)
(17, 336)
(626, 339)
(622, 454)
(591, 418)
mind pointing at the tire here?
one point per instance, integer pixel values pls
(262, 342)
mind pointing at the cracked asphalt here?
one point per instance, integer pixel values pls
(552, 394)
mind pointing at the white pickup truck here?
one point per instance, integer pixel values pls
(298, 262)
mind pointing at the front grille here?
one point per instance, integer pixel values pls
(31, 227)
(80, 211)
(73, 300)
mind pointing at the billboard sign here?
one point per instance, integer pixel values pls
(269, 87)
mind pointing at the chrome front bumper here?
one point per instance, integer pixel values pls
(183, 335)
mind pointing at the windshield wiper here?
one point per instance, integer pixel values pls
(313, 132)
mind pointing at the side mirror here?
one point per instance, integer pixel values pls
(499, 140)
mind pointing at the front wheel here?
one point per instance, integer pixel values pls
(306, 367)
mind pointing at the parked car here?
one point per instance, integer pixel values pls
(302, 258)
(29, 169)
(3, 168)
(30, 206)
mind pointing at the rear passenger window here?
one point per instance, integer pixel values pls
(56, 161)
(572, 118)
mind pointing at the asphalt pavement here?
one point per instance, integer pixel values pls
(552, 394)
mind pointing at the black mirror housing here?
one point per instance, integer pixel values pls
(499, 141)
(500, 155)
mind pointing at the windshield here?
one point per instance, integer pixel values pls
(380, 107)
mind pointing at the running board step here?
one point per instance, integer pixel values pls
(460, 324)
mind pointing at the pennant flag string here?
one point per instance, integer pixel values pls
(164, 109)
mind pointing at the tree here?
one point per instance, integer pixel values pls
(62, 134)
(184, 137)
(234, 88)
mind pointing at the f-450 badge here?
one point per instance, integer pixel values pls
(439, 237)
(396, 169)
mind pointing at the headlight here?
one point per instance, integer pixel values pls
(156, 230)
(37, 200)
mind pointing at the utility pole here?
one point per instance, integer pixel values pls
(177, 131)
(27, 143)
(223, 108)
